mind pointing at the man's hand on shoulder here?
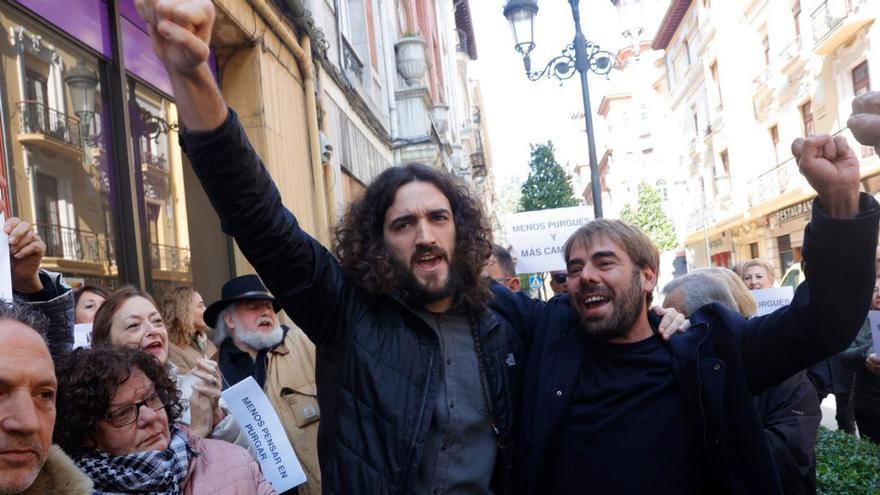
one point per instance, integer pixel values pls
(832, 169)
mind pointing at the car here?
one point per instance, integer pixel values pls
(793, 276)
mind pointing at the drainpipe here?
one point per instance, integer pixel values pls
(302, 54)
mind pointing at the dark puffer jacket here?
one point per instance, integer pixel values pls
(378, 363)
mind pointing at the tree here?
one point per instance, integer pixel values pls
(548, 185)
(650, 217)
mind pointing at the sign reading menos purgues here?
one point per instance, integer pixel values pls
(769, 300)
(537, 237)
(253, 411)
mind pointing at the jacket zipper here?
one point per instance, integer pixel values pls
(700, 388)
(412, 447)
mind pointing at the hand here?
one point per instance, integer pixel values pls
(26, 249)
(672, 322)
(865, 120)
(180, 31)
(209, 386)
(872, 363)
(832, 169)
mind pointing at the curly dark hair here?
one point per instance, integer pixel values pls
(360, 247)
(88, 380)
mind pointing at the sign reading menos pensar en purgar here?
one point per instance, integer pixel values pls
(537, 237)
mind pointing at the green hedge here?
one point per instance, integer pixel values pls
(846, 465)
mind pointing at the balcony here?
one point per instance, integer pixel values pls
(154, 163)
(77, 249)
(48, 128)
(835, 21)
(351, 62)
(169, 258)
(775, 182)
(793, 57)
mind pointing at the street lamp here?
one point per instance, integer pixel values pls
(83, 84)
(580, 56)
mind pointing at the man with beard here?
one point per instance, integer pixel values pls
(609, 407)
(280, 359)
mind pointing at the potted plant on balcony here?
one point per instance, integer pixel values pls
(411, 57)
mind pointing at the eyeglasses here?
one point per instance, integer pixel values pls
(127, 415)
(560, 278)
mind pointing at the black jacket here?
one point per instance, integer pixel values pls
(378, 363)
(866, 386)
(720, 363)
(790, 414)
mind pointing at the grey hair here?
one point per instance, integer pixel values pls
(19, 310)
(504, 260)
(700, 289)
(221, 330)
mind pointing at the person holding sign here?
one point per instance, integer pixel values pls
(117, 417)
(603, 395)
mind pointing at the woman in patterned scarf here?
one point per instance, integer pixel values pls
(117, 412)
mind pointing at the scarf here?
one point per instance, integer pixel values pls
(154, 471)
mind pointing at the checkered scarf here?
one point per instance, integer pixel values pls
(154, 471)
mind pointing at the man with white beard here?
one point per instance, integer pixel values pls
(279, 358)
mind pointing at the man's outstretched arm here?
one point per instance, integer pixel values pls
(180, 31)
(839, 248)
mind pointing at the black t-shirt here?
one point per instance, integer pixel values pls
(628, 430)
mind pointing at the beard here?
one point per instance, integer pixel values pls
(416, 293)
(257, 339)
(628, 306)
(15, 482)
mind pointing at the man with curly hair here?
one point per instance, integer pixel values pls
(417, 380)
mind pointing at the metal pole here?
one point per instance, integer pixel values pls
(582, 64)
(705, 226)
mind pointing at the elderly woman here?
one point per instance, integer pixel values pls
(130, 318)
(757, 274)
(117, 417)
(183, 310)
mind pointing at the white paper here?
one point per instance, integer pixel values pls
(5, 263)
(769, 300)
(253, 411)
(537, 237)
(82, 335)
(874, 321)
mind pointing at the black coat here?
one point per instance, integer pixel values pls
(378, 363)
(866, 386)
(720, 363)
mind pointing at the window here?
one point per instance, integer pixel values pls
(725, 163)
(695, 118)
(861, 79)
(661, 189)
(687, 52)
(716, 80)
(753, 250)
(774, 139)
(786, 253)
(807, 116)
(765, 43)
(796, 16)
(47, 214)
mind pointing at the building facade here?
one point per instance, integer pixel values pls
(331, 93)
(743, 79)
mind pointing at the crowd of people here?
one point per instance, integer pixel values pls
(414, 364)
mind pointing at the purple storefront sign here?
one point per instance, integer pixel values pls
(85, 20)
(88, 22)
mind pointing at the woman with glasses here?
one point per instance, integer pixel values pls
(117, 417)
(130, 318)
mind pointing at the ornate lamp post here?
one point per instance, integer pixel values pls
(83, 83)
(580, 56)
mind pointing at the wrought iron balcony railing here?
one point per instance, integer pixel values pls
(830, 14)
(169, 258)
(37, 118)
(155, 161)
(77, 245)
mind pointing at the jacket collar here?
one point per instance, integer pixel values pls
(60, 475)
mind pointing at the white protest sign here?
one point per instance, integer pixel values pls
(537, 237)
(253, 411)
(769, 300)
(874, 321)
(5, 266)
(82, 335)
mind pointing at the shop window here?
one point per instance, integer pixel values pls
(62, 175)
(159, 161)
(753, 250)
(786, 253)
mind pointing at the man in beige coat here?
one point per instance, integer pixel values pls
(280, 359)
